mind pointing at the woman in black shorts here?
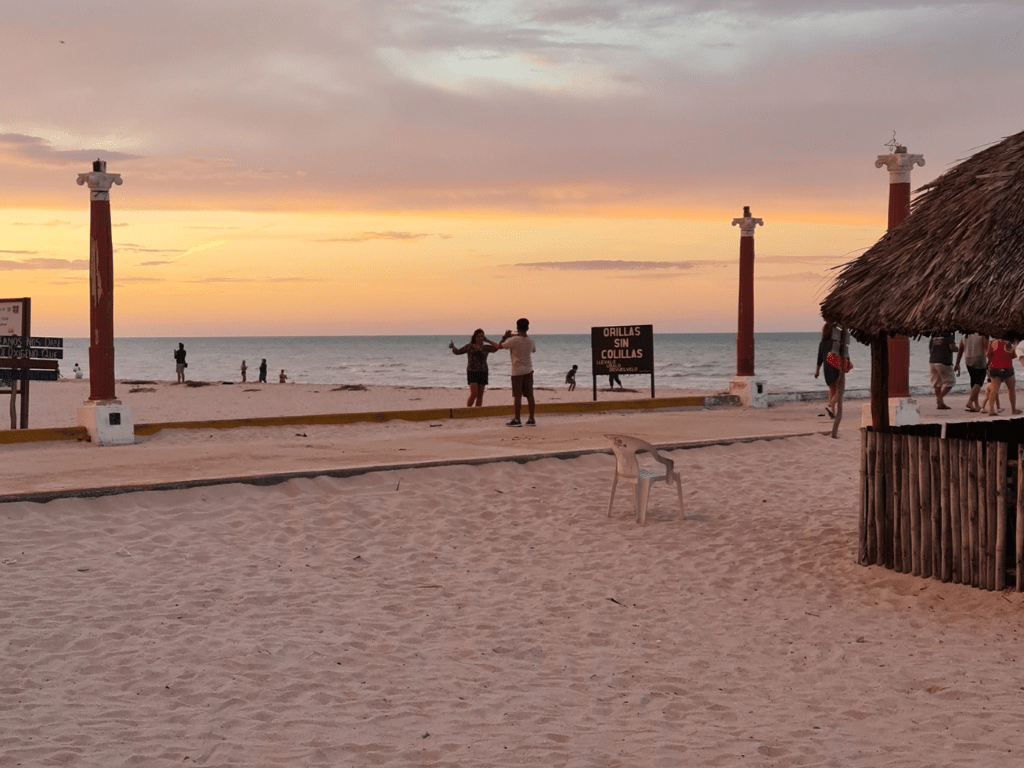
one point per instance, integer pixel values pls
(478, 349)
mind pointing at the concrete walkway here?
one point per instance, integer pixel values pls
(174, 458)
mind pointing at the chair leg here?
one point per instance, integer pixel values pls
(644, 492)
(679, 491)
(615, 481)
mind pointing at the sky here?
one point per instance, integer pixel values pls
(338, 167)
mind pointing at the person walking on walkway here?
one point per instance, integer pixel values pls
(972, 350)
(1000, 369)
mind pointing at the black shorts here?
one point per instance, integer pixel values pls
(476, 377)
(977, 376)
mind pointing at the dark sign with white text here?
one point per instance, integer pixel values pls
(622, 349)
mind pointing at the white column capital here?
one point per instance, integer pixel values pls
(900, 164)
(747, 224)
(99, 181)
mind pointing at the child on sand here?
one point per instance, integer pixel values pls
(282, 379)
(570, 378)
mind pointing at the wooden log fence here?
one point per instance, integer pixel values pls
(940, 508)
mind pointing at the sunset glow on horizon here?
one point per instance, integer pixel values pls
(416, 168)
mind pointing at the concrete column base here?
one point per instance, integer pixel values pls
(903, 411)
(108, 422)
(751, 390)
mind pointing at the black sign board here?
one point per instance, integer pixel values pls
(619, 349)
(34, 354)
(17, 342)
(27, 375)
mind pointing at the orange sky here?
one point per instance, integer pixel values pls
(427, 167)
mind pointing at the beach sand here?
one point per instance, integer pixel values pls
(493, 615)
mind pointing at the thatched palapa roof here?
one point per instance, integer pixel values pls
(956, 263)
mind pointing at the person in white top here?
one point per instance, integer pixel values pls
(521, 349)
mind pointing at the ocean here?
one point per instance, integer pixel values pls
(694, 361)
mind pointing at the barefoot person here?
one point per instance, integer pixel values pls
(940, 364)
(1000, 369)
(570, 378)
(972, 351)
(478, 349)
(521, 349)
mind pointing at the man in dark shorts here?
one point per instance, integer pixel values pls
(972, 350)
(521, 349)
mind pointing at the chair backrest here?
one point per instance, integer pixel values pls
(625, 449)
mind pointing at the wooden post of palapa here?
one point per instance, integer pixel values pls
(907, 514)
(936, 506)
(972, 500)
(945, 508)
(865, 500)
(1020, 519)
(1001, 511)
(913, 470)
(962, 553)
(993, 509)
(880, 383)
(887, 502)
(925, 478)
(895, 473)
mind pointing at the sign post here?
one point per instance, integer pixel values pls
(622, 349)
(24, 358)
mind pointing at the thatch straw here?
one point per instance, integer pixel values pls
(956, 263)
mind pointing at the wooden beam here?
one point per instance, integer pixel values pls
(880, 383)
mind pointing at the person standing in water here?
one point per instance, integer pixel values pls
(263, 371)
(477, 350)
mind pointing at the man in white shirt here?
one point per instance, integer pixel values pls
(521, 349)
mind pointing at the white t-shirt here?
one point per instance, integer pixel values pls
(520, 349)
(1019, 351)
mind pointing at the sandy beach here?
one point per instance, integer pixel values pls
(484, 614)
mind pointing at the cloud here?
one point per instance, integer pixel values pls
(33, 150)
(20, 253)
(215, 280)
(129, 280)
(619, 265)
(816, 277)
(367, 236)
(181, 253)
(139, 249)
(531, 105)
(41, 263)
(51, 223)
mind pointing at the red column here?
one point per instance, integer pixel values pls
(899, 164)
(745, 326)
(101, 282)
(745, 323)
(101, 303)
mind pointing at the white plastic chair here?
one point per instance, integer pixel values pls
(628, 469)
